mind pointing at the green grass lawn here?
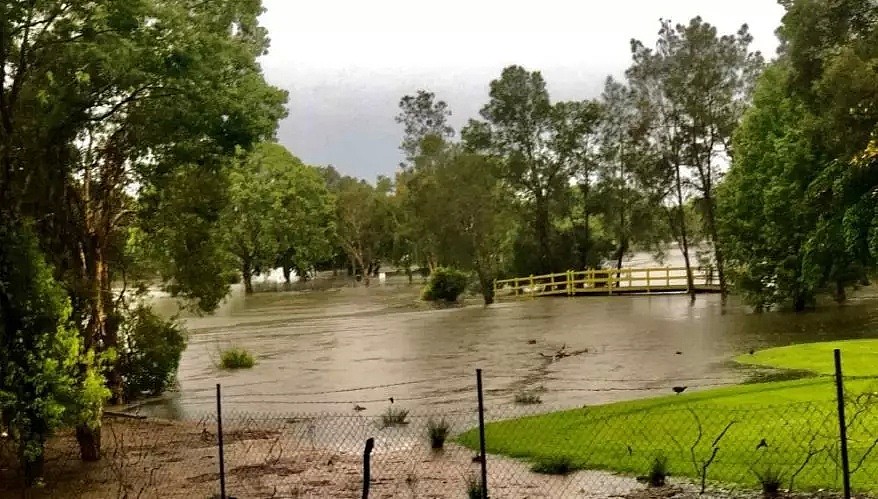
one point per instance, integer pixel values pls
(859, 357)
(796, 419)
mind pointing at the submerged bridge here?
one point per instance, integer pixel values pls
(626, 281)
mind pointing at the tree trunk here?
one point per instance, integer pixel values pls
(287, 270)
(542, 233)
(487, 285)
(585, 247)
(684, 238)
(247, 276)
(717, 249)
(89, 440)
(33, 464)
(840, 292)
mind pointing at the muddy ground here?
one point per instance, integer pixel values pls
(158, 459)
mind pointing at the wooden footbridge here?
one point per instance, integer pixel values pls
(626, 281)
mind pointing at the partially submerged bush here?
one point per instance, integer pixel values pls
(437, 432)
(151, 351)
(527, 398)
(445, 285)
(658, 471)
(553, 465)
(394, 417)
(236, 358)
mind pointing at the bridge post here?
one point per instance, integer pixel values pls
(569, 283)
(668, 276)
(647, 280)
(515, 285)
(532, 287)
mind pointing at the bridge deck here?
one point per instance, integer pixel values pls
(624, 281)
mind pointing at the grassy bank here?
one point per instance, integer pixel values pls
(723, 428)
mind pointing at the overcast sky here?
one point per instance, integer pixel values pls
(346, 63)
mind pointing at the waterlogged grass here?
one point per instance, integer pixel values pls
(796, 419)
(859, 357)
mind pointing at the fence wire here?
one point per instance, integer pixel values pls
(686, 447)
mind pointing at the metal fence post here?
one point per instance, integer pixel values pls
(367, 468)
(219, 436)
(842, 426)
(482, 453)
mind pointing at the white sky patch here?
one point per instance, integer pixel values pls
(347, 63)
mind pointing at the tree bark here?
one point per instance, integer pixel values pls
(684, 238)
(487, 285)
(287, 272)
(717, 249)
(542, 232)
(585, 248)
(247, 277)
(89, 440)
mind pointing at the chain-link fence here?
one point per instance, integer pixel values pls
(687, 445)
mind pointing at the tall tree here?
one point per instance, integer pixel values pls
(421, 116)
(695, 84)
(361, 223)
(539, 146)
(101, 99)
(278, 210)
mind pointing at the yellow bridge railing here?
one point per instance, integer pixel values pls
(635, 280)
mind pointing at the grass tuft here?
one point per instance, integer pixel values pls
(437, 432)
(658, 471)
(394, 417)
(236, 358)
(553, 465)
(473, 487)
(526, 398)
(770, 480)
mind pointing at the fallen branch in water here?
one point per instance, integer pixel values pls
(563, 352)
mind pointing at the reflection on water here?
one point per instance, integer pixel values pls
(316, 349)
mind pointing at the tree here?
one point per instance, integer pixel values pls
(361, 223)
(279, 210)
(422, 115)
(693, 88)
(39, 350)
(102, 99)
(764, 211)
(812, 133)
(629, 194)
(539, 146)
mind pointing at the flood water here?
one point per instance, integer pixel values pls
(324, 351)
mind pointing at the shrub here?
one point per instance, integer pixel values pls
(150, 353)
(437, 432)
(770, 480)
(236, 358)
(445, 285)
(394, 417)
(473, 487)
(553, 465)
(658, 471)
(525, 398)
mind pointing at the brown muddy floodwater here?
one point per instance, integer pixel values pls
(321, 351)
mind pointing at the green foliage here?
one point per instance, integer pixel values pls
(151, 351)
(236, 358)
(279, 211)
(445, 285)
(394, 417)
(553, 465)
(437, 432)
(40, 353)
(798, 207)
